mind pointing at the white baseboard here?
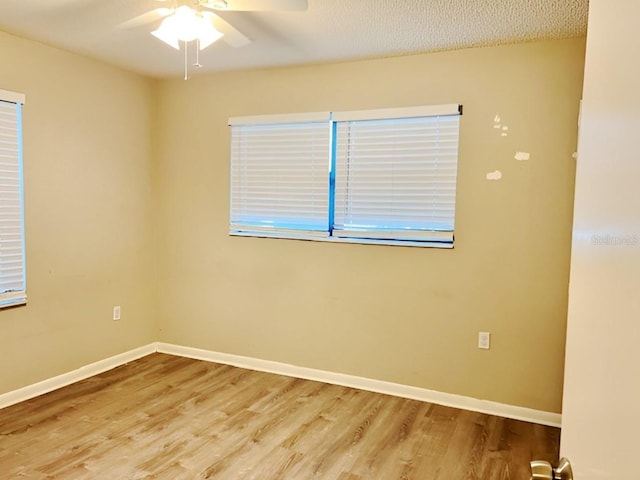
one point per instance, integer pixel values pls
(46, 386)
(389, 388)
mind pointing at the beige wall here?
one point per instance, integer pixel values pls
(88, 172)
(406, 315)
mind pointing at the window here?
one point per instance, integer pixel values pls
(12, 252)
(279, 173)
(378, 176)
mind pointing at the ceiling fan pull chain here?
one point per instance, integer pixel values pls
(197, 64)
(186, 60)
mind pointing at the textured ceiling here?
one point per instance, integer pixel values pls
(331, 30)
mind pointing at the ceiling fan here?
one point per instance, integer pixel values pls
(186, 21)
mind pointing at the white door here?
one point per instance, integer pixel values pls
(601, 410)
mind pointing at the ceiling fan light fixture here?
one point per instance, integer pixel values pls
(187, 25)
(184, 23)
(207, 34)
(167, 36)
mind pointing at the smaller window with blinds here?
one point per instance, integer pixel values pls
(375, 176)
(279, 174)
(12, 252)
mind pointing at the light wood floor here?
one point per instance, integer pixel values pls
(165, 417)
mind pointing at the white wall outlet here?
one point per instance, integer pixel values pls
(116, 312)
(484, 340)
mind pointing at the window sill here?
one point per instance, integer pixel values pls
(6, 304)
(362, 241)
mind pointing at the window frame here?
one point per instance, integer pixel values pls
(13, 298)
(406, 236)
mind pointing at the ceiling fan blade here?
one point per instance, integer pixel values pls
(145, 18)
(257, 5)
(232, 36)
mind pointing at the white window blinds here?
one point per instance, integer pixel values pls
(373, 176)
(396, 174)
(12, 252)
(279, 174)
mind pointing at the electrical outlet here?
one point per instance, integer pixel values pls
(484, 340)
(116, 312)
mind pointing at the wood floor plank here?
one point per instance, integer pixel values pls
(164, 417)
